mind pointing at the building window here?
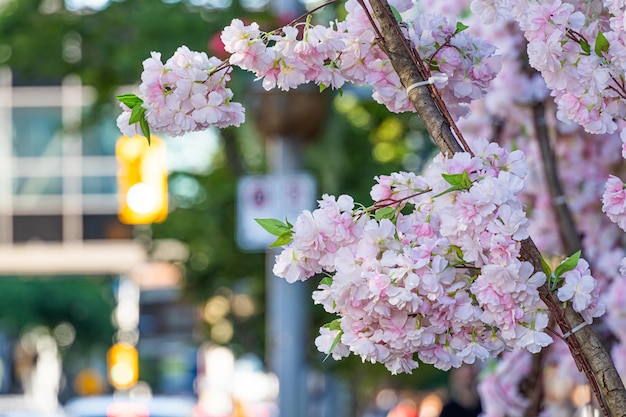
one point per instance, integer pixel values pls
(57, 179)
(28, 229)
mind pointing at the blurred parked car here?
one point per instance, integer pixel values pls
(113, 406)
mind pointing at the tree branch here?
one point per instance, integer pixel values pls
(586, 348)
(569, 234)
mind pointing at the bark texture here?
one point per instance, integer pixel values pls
(587, 349)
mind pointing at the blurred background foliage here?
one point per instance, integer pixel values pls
(86, 304)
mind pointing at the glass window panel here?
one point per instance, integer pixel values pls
(37, 185)
(37, 131)
(99, 139)
(99, 185)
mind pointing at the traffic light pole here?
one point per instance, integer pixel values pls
(287, 315)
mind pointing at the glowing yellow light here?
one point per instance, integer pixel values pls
(141, 180)
(123, 365)
(142, 198)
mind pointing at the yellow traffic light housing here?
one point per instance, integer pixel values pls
(141, 180)
(122, 365)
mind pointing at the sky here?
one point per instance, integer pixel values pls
(81, 4)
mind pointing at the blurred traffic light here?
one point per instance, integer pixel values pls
(141, 180)
(122, 365)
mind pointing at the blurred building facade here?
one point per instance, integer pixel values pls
(57, 184)
(58, 215)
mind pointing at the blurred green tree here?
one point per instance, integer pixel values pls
(86, 303)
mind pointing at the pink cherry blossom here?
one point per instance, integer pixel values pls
(614, 201)
(419, 283)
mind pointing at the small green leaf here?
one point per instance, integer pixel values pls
(282, 240)
(584, 45)
(449, 190)
(136, 114)
(602, 45)
(130, 100)
(466, 183)
(458, 181)
(396, 14)
(332, 347)
(459, 253)
(567, 265)
(273, 226)
(333, 325)
(385, 213)
(145, 128)
(340, 89)
(546, 268)
(326, 281)
(323, 87)
(453, 179)
(460, 27)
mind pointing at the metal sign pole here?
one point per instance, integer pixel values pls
(286, 306)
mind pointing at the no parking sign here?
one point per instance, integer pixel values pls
(270, 197)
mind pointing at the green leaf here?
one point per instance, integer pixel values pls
(333, 325)
(584, 45)
(466, 183)
(461, 181)
(453, 179)
(602, 45)
(145, 128)
(449, 190)
(130, 100)
(385, 213)
(332, 347)
(460, 27)
(396, 14)
(326, 281)
(459, 253)
(567, 265)
(546, 268)
(273, 226)
(323, 87)
(282, 240)
(136, 114)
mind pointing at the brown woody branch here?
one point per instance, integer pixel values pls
(569, 234)
(588, 352)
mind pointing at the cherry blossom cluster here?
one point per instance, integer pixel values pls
(468, 62)
(430, 272)
(579, 50)
(188, 93)
(582, 290)
(346, 51)
(584, 160)
(614, 201)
